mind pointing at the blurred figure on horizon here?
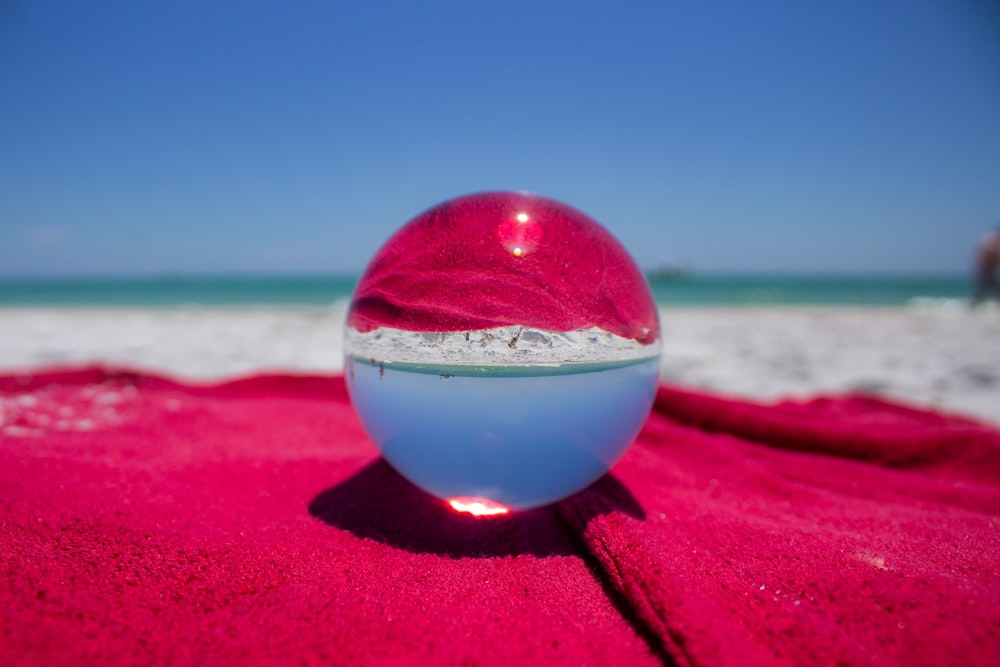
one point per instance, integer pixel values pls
(987, 262)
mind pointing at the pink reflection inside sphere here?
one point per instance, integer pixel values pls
(504, 258)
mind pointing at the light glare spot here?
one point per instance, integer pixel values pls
(522, 217)
(478, 507)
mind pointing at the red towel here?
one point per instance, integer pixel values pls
(148, 521)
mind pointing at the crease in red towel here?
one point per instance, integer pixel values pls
(834, 531)
(148, 520)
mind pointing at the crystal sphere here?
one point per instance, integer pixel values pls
(502, 351)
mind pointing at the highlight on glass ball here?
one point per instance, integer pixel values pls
(502, 351)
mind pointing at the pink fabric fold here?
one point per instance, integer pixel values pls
(833, 531)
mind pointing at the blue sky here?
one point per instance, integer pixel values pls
(206, 137)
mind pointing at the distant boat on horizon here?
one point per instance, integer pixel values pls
(669, 271)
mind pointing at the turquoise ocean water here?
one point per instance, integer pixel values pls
(695, 290)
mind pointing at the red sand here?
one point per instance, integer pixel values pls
(148, 521)
(471, 263)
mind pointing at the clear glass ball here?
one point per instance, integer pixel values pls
(502, 351)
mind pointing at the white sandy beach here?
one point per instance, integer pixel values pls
(943, 356)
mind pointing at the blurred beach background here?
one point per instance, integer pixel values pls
(193, 188)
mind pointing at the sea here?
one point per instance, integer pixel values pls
(687, 290)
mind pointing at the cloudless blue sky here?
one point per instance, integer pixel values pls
(203, 137)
